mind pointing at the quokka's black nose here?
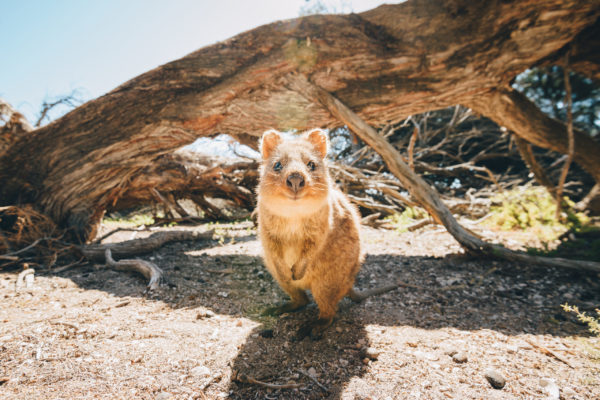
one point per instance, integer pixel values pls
(295, 181)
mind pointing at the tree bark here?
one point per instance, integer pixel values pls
(385, 64)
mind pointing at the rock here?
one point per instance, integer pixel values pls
(205, 314)
(460, 357)
(495, 378)
(372, 353)
(550, 387)
(569, 392)
(312, 372)
(266, 333)
(423, 355)
(200, 370)
(511, 349)
(163, 396)
(451, 352)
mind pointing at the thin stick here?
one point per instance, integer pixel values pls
(549, 352)
(248, 379)
(66, 267)
(528, 157)
(32, 245)
(565, 169)
(312, 378)
(411, 147)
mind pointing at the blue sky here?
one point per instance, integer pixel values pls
(52, 47)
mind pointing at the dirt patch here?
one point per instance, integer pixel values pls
(93, 333)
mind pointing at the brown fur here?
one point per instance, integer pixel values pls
(308, 228)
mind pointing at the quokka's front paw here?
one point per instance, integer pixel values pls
(286, 307)
(314, 329)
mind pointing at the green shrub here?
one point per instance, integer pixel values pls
(132, 219)
(531, 207)
(593, 323)
(403, 220)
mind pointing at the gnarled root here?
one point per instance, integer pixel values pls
(146, 268)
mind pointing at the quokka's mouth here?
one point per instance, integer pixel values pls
(296, 196)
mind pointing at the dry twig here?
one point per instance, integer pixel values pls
(312, 378)
(248, 379)
(549, 352)
(571, 151)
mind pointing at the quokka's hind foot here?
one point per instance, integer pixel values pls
(288, 306)
(314, 329)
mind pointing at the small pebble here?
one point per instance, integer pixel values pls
(451, 352)
(200, 370)
(372, 353)
(460, 357)
(266, 333)
(163, 396)
(312, 372)
(550, 387)
(205, 314)
(495, 379)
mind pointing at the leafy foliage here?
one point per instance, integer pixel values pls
(407, 217)
(531, 207)
(593, 323)
(134, 219)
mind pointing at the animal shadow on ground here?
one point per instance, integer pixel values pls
(448, 294)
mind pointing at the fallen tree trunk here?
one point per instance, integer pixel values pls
(386, 64)
(420, 190)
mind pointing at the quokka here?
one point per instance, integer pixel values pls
(308, 228)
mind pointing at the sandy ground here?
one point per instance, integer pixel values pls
(92, 333)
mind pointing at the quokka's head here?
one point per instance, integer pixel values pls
(294, 169)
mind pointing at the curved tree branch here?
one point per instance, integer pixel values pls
(386, 63)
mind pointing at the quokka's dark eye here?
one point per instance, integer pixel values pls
(277, 166)
(311, 165)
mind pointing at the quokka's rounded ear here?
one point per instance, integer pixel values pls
(270, 140)
(318, 138)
